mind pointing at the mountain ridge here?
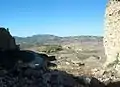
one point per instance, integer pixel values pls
(42, 39)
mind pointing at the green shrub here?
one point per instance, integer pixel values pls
(50, 48)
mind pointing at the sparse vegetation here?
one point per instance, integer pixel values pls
(38, 40)
(50, 48)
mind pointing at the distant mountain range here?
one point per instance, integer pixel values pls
(52, 39)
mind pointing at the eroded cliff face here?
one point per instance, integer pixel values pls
(112, 32)
(7, 42)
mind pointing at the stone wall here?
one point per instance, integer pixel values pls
(112, 31)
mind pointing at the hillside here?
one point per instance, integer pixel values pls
(37, 40)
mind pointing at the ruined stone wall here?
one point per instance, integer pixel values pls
(112, 31)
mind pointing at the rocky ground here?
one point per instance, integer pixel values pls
(38, 77)
(80, 66)
(29, 77)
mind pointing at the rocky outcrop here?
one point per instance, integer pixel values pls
(7, 42)
(34, 77)
(8, 59)
(112, 32)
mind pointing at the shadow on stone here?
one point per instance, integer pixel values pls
(26, 77)
(9, 58)
(114, 84)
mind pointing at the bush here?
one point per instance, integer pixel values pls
(50, 48)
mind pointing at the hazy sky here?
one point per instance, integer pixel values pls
(58, 17)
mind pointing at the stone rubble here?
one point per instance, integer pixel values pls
(106, 76)
(37, 77)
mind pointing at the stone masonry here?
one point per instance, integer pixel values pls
(112, 31)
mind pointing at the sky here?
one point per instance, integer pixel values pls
(56, 17)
